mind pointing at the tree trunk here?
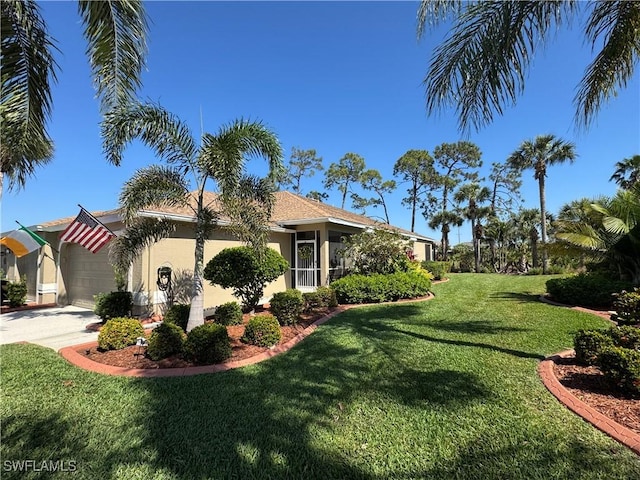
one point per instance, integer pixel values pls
(543, 224)
(196, 314)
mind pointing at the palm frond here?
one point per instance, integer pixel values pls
(116, 33)
(433, 12)
(153, 186)
(154, 126)
(141, 233)
(617, 23)
(28, 69)
(481, 67)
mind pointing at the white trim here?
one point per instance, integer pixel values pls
(44, 288)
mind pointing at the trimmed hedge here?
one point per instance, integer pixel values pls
(17, 292)
(229, 313)
(438, 269)
(263, 331)
(166, 339)
(585, 289)
(178, 314)
(323, 297)
(378, 288)
(287, 306)
(208, 344)
(113, 305)
(627, 307)
(119, 333)
(589, 343)
(622, 366)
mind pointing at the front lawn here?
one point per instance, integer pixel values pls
(440, 389)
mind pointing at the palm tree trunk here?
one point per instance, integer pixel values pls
(196, 314)
(543, 224)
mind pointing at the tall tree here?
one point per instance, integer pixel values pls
(220, 158)
(371, 180)
(344, 174)
(416, 168)
(627, 172)
(474, 196)
(317, 196)
(481, 67)
(456, 162)
(538, 154)
(302, 163)
(116, 34)
(505, 187)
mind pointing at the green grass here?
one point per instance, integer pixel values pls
(439, 389)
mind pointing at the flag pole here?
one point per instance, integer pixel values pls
(25, 228)
(98, 221)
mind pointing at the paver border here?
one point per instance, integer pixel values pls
(612, 428)
(72, 356)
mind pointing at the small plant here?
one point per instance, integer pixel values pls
(622, 366)
(113, 305)
(263, 331)
(208, 344)
(228, 313)
(327, 296)
(166, 339)
(439, 270)
(625, 337)
(17, 292)
(588, 344)
(119, 333)
(287, 306)
(178, 314)
(627, 307)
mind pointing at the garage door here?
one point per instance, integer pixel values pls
(86, 274)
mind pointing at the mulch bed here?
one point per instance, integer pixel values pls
(590, 385)
(133, 357)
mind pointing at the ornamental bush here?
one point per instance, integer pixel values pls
(589, 343)
(241, 269)
(622, 366)
(263, 331)
(377, 251)
(627, 307)
(585, 289)
(17, 292)
(113, 305)
(166, 339)
(178, 314)
(119, 333)
(381, 288)
(625, 337)
(439, 270)
(228, 313)
(208, 344)
(287, 306)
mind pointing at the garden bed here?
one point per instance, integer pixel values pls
(134, 357)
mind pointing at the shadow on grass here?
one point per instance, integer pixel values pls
(484, 327)
(522, 297)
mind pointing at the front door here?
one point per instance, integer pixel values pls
(306, 265)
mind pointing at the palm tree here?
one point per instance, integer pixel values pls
(627, 172)
(116, 36)
(246, 200)
(481, 67)
(474, 195)
(538, 154)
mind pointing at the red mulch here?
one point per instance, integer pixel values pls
(590, 385)
(133, 357)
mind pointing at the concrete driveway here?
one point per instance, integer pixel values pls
(55, 327)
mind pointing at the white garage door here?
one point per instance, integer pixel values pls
(87, 274)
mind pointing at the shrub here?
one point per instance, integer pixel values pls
(17, 292)
(588, 344)
(208, 343)
(241, 269)
(534, 271)
(625, 337)
(323, 297)
(228, 313)
(381, 288)
(178, 314)
(113, 305)
(166, 339)
(262, 330)
(287, 306)
(377, 251)
(119, 333)
(439, 270)
(627, 307)
(312, 301)
(586, 289)
(622, 366)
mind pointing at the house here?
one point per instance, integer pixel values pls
(306, 232)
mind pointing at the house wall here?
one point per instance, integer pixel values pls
(177, 253)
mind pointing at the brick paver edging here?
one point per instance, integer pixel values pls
(71, 353)
(619, 432)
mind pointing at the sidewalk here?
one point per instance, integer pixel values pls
(55, 327)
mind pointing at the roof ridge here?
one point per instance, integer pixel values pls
(311, 204)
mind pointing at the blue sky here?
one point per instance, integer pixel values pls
(334, 76)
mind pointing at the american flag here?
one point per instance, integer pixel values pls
(87, 231)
